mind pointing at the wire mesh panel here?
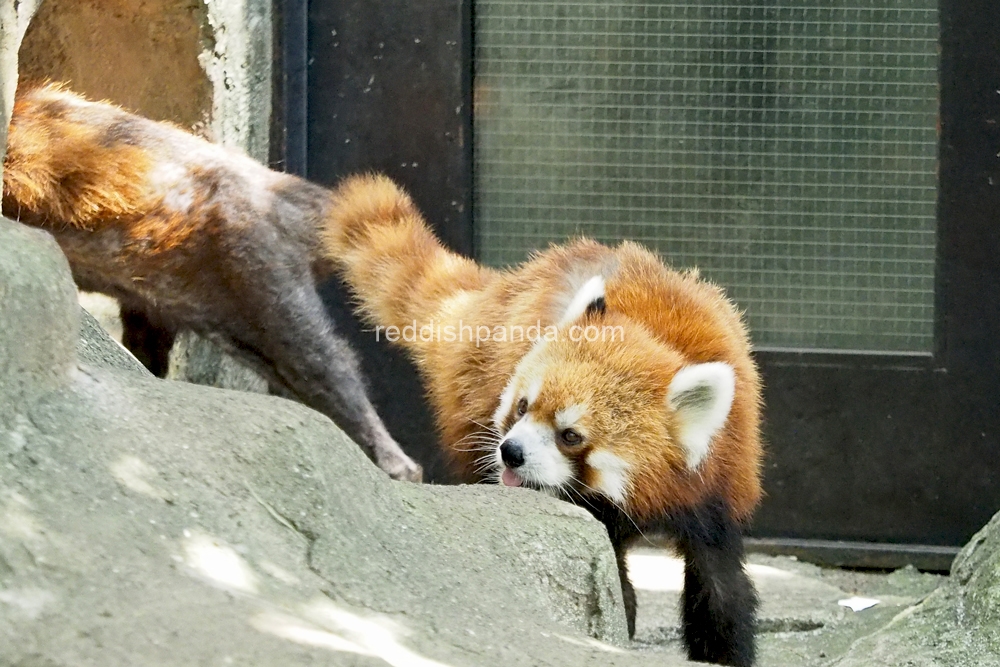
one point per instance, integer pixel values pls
(787, 149)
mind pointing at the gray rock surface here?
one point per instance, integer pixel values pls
(200, 361)
(39, 318)
(958, 625)
(801, 622)
(804, 624)
(96, 347)
(159, 523)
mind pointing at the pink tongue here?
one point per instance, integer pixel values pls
(510, 478)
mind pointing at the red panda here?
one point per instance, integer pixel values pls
(636, 397)
(193, 236)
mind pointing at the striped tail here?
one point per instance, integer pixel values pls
(60, 170)
(398, 270)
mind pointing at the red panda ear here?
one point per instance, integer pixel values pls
(700, 396)
(590, 296)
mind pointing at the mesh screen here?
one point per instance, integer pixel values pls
(789, 150)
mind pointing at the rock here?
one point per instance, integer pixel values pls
(160, 523)
(200, 361)
(957, 625)
(800, 624)
(95, 347)
(105, 310)
(171, 524)
(39, 317)
(976, 572)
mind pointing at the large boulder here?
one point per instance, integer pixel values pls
(39, 318)
(151, 522)
(958, 625)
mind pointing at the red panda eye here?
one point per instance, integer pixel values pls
(522, 407)
(571, 437)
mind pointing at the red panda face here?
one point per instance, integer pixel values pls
(600, 417)
(555, 424)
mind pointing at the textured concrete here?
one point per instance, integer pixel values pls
(141, 54)
(801, 621)
(105, 310)
(822, 634)
(96, 347)
(38, 317)
(183, 525)
(238, 63)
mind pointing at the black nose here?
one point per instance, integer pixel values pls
(512, 454)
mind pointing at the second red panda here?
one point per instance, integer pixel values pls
(193, 236)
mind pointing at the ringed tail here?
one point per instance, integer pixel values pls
(58, 170)
(397, 268)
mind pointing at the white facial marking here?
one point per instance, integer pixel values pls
(613, 474)
(544, 464)
(506, 403)
(534, 389)
(570, 415)
(528, 373)
(701, 396)
(591, 291)
(531, 371)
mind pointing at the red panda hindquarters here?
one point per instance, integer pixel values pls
(190, 235)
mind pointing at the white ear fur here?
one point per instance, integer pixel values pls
(701, 396)
(589, 292)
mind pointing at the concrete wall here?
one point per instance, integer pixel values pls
(203, 64)
(14, 18)
(141, 54)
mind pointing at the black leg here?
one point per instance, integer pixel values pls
(317, 365)
(628, 591)
(149, 343)
(720, 603)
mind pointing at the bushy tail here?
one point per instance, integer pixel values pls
(399, 271)
(59, 171)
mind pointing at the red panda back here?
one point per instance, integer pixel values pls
(695, 318)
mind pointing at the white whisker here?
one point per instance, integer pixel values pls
(492, 429)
